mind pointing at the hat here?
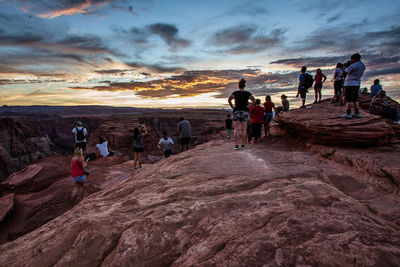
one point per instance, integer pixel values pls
(79, 123)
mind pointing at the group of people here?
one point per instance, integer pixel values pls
(80, 161)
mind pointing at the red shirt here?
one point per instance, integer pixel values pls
(318, 78)
(257, 114)
(268, 107)
(77, 169)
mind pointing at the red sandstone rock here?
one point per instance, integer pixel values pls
(214, 206)
(6, 206)
(320, 125)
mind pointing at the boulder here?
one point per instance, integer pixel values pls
(213, 206)
(320, 124)
(6, 206)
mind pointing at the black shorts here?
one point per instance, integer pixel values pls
(351, 93)
(318, 86)
(81, 145)
(256, 130)
(303, 92)
(138, 149)
(167, 153)
(338, 86)
(184, 141)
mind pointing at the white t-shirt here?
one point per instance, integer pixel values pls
(354, 74)
(338, 73)
(103, 149)
(166, 143)
(80, 129)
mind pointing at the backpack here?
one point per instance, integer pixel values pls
(80, 135)
(309, 80)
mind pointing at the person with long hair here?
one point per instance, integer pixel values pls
(319, 79)
(138, 148)
(241, 112)
(78, 164)
(268, 107)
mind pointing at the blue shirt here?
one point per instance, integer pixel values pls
(302, 80)
(375, 89)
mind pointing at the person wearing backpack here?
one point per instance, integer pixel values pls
(80, 133)
(305, 81)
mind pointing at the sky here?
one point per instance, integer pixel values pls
(187, 53)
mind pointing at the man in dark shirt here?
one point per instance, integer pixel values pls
(228, 126)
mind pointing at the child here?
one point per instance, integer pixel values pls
(77, 172)
(138, 145)
(167, 143)
(268, 106)
(228, 126)
(257, 119)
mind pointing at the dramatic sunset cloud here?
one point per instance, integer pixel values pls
(187, 53)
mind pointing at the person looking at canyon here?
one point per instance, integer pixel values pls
(268, 106)
(184, 133)
(319, 79)
(80, 133)
(352, 85)
(228, 126)
(305, 82)
(285, 104)
(384, 106)
(77, 172)
(338, 84)
(376, 87)
(138, 148)
(102, 148)
(241, 112)
(167, 144)
(257, 120)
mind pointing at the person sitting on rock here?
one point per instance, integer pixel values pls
(185, 133)
(257, 119)
(138, 148)
(285, 104)
(376, 87)
(268, 106)
(80, 133)
(167, 144)
(103, 147)
(384, 106)
(77, 172)
(228, 126)
(241, 112)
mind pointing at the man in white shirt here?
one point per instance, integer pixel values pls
(80, 133)
(167, 144)
(352, 85)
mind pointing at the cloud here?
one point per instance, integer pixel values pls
(155, 68)
(55, 8)
(169, 33)
(27, 81)
(244, 39)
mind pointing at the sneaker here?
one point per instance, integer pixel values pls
(357, 115)
(243, 147)
(345, 116)
(236, 147)
(303, 107)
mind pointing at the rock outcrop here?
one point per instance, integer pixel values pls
(212, 206)
(320, 124)
(6, 206)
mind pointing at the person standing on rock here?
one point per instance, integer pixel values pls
(80, 133)
(241, 112)
(256, 122)
(228, 126)
(319, 79)
(184, 133)
(138, 148)
(268, 107)
(305, 82)
(167, 144)
(352, 84)
(338, 84)
(77, 172)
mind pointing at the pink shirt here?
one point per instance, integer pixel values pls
(318, 78)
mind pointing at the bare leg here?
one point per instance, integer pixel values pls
(187, 147)
(139, 155)
(319, 94)
(316, 95)
(265, 129)
(303, 102)
(268, 134)
(237, 131)
(74, 191)
(135, 159)
(243, 129)
(81, 190)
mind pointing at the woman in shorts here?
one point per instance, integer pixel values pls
(241, 112)
(77, 172)
(319, 80)
(268, 107)
(138, 145)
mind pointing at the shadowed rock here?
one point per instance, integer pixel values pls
(6, 206)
